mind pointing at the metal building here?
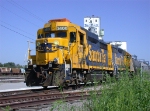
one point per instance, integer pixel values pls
(93, 25)
(120, 44)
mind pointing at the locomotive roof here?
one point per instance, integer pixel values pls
(93, 37)
(90, 34)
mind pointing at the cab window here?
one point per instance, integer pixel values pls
(40, 36)
(55, 34)
(72, 37)
(61, 34)
(49, 35)
(81, 39)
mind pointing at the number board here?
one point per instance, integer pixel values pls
(61, 27)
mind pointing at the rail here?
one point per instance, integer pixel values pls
(38, 98)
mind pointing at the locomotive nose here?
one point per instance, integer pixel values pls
(50, 49)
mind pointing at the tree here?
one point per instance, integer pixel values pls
(19, 66)
(10, 65)
(1, 65)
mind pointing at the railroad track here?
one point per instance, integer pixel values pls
(29, 98)
(11, 79)
(25, 91)
(33, 90)
(35, 98)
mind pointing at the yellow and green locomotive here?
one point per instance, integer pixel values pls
(67, 54)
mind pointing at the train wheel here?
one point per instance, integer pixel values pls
(75, 86)
(66, 86)
(131, 75)
(111, 74)
(27, 81)
(104, 78)
(31, 79)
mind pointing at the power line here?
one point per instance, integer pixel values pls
(17, 28)
(22, 8)
(16, 32)
(19, 16)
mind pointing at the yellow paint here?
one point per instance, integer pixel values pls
(118, 60)
(109, 53)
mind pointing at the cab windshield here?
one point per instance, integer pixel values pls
(60, 34)
(55, 34)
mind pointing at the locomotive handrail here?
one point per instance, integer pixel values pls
(64, 61)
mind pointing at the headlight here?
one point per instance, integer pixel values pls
(56, 42)
(45, 41)
(38, 43)
(55, 60)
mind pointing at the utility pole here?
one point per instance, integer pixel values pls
(29, 44)
(29, 48)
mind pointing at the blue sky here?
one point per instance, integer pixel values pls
(122, 20)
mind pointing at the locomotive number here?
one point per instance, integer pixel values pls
(61, 28)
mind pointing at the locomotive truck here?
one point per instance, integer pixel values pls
(67, 54)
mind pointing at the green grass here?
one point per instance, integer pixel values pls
(126, 94)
